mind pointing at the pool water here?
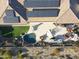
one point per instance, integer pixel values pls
(30, 38)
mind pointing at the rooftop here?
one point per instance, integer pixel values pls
(50, 8)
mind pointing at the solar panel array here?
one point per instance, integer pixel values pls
(42, 3)
(11, 17)
(45, 11)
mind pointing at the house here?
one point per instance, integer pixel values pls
(56, 11)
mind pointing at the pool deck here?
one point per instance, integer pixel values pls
(43, 29)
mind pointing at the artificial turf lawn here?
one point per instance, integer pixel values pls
(19, 30)
(13, 31)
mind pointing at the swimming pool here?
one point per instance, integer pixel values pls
(30, 38)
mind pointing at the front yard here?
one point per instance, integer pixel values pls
(13, 31)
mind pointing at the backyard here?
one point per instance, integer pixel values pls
(13, 31)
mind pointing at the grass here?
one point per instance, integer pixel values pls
(13, 31)
(19, 30)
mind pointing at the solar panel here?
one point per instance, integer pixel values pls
(42, 3)
(18, 8)
(10, 13)
(10, 17)
(43, 13)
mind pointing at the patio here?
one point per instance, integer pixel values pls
(51, 30)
